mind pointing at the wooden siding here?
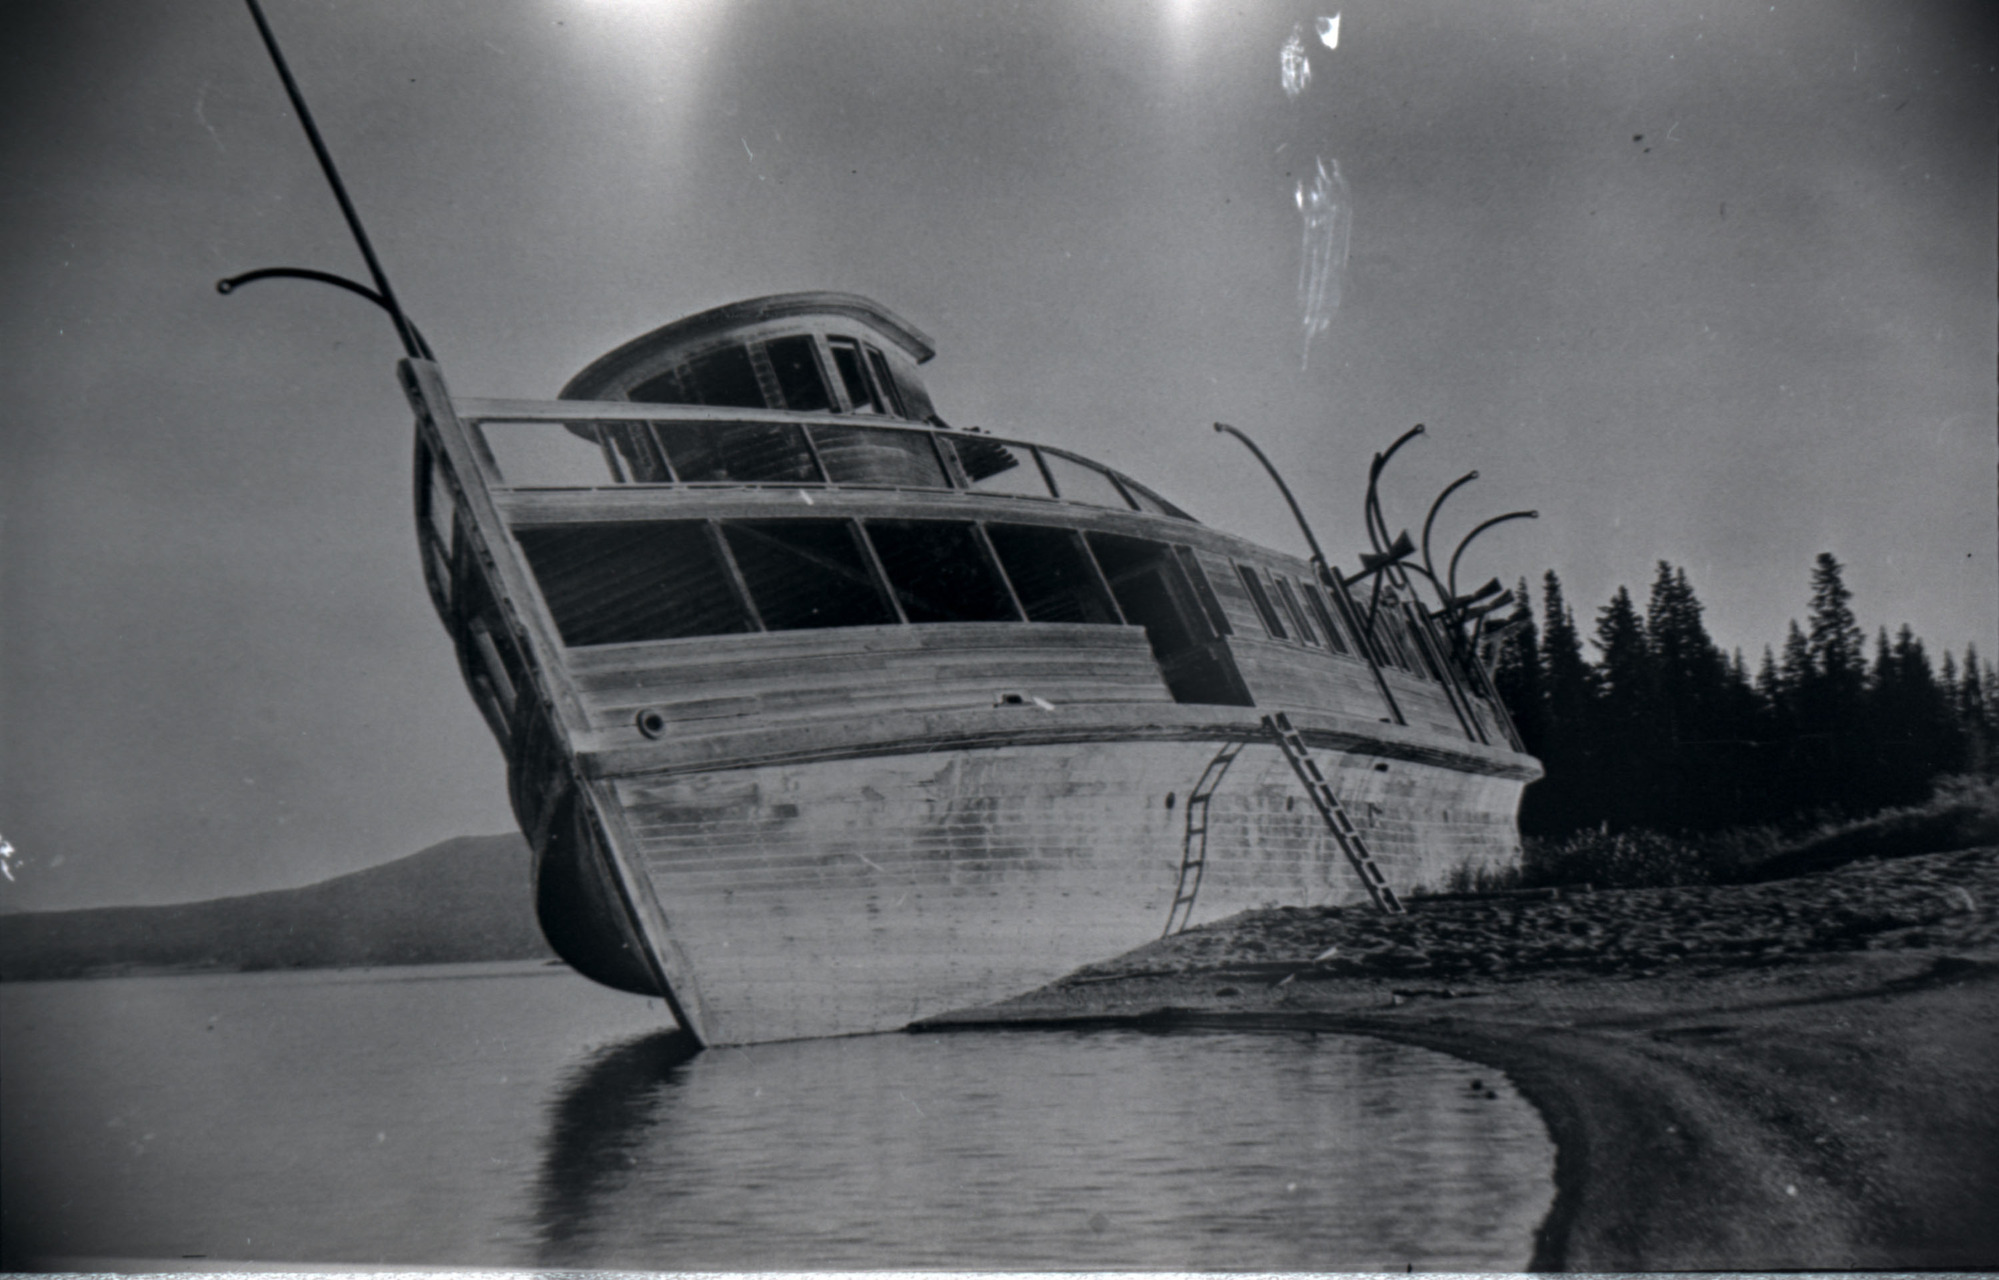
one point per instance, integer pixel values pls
(859, 895)
(861, 672)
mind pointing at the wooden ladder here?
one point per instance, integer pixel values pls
(1292, 744)
(1194, 845)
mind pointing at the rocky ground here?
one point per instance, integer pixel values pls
(1800, 1073)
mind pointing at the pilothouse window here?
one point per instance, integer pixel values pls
(796, 365)
(723, 376)
(854, 377)
(886, 381)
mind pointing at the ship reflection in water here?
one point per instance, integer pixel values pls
(518, 1116)
(1070, 1149)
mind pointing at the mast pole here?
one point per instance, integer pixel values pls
(404, 330)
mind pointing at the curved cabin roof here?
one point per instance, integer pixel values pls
(812, 352)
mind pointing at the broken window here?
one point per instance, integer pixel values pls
(798, 378)
(1204, 591)
(1388, 636)
(992, 467)
(1080, 482)
(1421, 640)
(853, 376)
(1317, 601)
(1296, 614)
(625, 582)
(806, 573)
(879, 456)
(739, 452)
(1052, 574)
(1153, 591)
(886, 381)
(1253, 583)
(1352, 617)
(940, 571)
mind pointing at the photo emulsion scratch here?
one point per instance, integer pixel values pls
(1326, 212)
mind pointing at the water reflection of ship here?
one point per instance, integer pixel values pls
(600, 1120)
(1062, 1148)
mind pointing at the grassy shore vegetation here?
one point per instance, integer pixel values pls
(1668, 763)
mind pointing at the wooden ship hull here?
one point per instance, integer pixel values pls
(823, 717)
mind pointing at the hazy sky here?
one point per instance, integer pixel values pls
(1709, 282)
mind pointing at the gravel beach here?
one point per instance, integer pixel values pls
(1800, 1073)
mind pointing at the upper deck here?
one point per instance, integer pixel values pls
(681, 568)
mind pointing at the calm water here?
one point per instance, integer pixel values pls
(512, 1115)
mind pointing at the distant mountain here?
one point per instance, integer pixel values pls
(461, 900)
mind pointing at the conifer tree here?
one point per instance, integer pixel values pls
(1689, 684)
(1626, 730)
(1972, 714)
(1562, 801)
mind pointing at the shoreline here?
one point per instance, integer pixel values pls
(1726, 1106)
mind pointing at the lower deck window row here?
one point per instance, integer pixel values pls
(628, 582)
(620, 583)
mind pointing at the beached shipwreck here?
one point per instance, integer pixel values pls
(823, 717)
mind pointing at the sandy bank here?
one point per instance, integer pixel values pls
(1799, 1074)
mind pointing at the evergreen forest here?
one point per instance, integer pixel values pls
(1653, 728)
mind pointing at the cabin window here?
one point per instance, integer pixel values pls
(886, 381)
(1152, 590)
(879, 456)
(1317, 601)
(796, 365)
(1252, 582)
(1052, 574)
(806, 573)
(1204, 591)
(725, 376)
(1141, 577)
(853, 376)
(739, 452)
(1079, 482)
(940, 571)
(1388, 635)
(1367, 644)
(626, 582)
(1421, 641)
(1294, 612)
(992, 467)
